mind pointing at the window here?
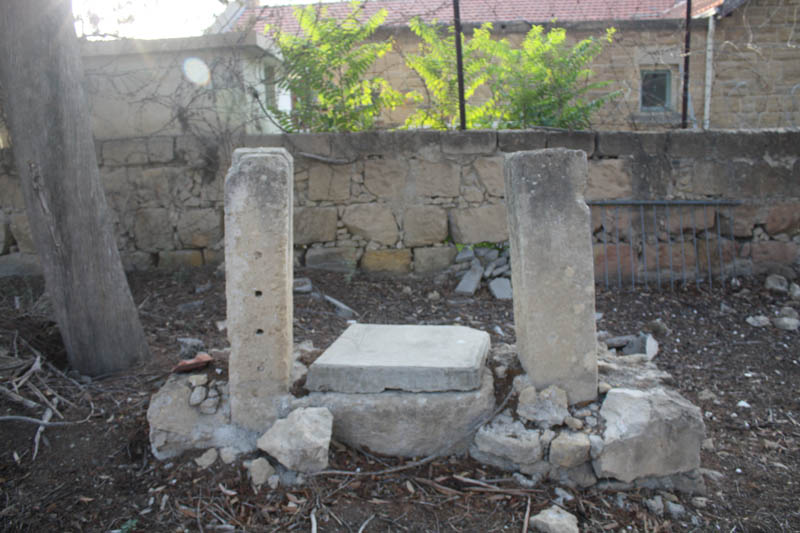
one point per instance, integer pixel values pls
(656, 90)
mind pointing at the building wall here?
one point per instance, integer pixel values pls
(398, 201)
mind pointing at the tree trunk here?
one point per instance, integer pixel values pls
(51, 137)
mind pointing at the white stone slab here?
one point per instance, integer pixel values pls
(369, 358)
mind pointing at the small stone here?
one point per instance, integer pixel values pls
(260, 471)
(470, 282)
(274, 481)
(786, 324)
(777, 283)
(197, 396)
(300, 441)
(725, 309)
(212, 391)
(554, 519)
(434, 296)
(189, 347)
(302, 286)
(590, 421)
(407, 290)
(658, 327)
(570, 449)
(596, 445)
(228, 454)
(573, 423)
(521, 382)
(207, 459)
(466, 254)
(708, 444)
(501, 288)
(706, 395)
(759, 321)
(546, 409)
(743, 404)
(196, 380)
(655, 505)
(794, 291)
(700, 502)
(603, 387)
(341, 309)
(500, 371)
(675, 510)
(299, 371)
(205, 287)
(209, 405)
(788, 312)
(620, 342)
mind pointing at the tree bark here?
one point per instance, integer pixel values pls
(51, 138)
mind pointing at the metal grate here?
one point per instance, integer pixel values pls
(660, 242)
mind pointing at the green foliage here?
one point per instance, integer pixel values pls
(544, 82)
(325, 69)
(436, 65)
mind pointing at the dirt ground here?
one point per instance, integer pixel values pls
(99, 475)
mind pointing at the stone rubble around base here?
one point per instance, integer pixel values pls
(546, 409)
(300, 441)
(776, 283)
(554, 519)
(260, 470)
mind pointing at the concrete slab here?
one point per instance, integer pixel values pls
(370, 358)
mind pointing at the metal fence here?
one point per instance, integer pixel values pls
(663, 243)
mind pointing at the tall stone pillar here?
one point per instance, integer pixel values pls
(552, 269)
(258, 268)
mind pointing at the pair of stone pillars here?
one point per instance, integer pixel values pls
(552, 275)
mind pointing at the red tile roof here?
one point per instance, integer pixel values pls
(479, 11)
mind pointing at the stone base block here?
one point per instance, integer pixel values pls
(407, 424)
(176, 426)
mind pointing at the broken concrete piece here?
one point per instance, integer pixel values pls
(407, 424)
(260, 470)
(302, 286)
(228, 454)
(470, 282)
(369, 358)
(552, 267)
(208, 458)
(649, 433)
(197, 396)
(546, 409)
(501, 288)
(554, 519)
(300, 441)
(508, 440)
(570, 449)
(175, 426)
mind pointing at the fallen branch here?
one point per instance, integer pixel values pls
(14, 397)
(48, 414)
(38, 422)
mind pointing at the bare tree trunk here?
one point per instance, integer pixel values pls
(51, 137)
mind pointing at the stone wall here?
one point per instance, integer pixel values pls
(397, 201)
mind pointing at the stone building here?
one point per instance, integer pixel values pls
(744, 54)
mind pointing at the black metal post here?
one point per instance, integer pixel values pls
(686, 51)
(459, 66)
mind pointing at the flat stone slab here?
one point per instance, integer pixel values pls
(370, 358)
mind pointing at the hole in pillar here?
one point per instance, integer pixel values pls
(258, 293)
(257, 255)
(259, 332)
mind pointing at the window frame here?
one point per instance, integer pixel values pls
(668, 85)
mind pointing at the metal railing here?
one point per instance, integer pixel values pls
(652, 242)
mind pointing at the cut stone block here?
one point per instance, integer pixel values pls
(258, 268)
(369, 358)
(552, 270)
(407, 424)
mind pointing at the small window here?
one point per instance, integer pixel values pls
(656, 90)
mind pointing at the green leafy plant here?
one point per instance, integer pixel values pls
(543, 82)
(325, 69)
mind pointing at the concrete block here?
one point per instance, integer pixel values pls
(372, 358)
(433, 259)
(386, 178)
(472, 225)
(407, 424)
(374, 222)
(394, 261)
(329, 182)
(258, 268)
(424, 225)
(519, 140)
(490, 174)
(552, 270)
(340, 259)
(572, 140)
(433, 179)
(314, 224)
(469, 142)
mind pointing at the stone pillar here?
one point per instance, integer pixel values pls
(552, 269)
(258, 269)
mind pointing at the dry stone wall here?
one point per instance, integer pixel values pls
(399, 201)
